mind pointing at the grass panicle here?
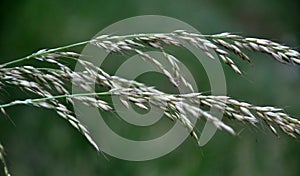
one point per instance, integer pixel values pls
(51, 85)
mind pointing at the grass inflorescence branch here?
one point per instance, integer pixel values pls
(51, 84)
(2, 159)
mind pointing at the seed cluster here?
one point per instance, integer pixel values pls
(52, 84)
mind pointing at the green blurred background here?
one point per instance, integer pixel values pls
(43, 144)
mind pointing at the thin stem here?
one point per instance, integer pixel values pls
(43, 53)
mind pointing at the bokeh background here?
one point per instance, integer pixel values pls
(40, 143)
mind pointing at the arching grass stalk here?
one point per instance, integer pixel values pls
(51, 84)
